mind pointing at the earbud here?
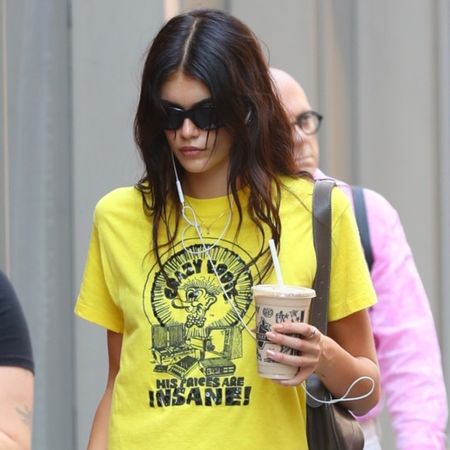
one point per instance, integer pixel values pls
(248, 117)
(180, 191)
(177, 181)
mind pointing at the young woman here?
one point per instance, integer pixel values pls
(172, 260)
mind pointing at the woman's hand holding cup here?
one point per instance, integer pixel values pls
(305, 340)
(282, 314)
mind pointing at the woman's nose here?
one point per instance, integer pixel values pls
(189, 129)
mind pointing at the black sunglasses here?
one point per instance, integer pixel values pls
(203, 116)
(309, 122)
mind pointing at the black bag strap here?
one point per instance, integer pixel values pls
(322, 244)
(359, 204)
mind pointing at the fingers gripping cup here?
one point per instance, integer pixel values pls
(277, 304)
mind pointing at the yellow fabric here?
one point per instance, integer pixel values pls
(188, 366)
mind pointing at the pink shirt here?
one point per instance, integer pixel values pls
(404, 332)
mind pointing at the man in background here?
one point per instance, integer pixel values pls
(403, 327)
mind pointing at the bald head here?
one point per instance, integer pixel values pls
(289, 90)
(295, 102)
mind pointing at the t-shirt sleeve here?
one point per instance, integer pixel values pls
(351, 288)
(95, 302)
(15, 344)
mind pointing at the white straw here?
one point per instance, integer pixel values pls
(276, 263)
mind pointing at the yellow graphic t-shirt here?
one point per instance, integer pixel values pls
(188, 377)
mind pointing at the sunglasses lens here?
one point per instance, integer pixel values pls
(174, 118)
(205, 118)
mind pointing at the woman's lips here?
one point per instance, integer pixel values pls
(190, 151)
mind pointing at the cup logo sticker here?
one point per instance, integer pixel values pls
(263, 326)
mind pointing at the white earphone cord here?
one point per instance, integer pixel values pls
(206, 250)
(344, 398)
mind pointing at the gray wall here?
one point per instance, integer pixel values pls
(378, 70)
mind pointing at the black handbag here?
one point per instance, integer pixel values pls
(329, 426)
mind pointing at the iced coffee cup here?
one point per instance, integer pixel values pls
(277, 304)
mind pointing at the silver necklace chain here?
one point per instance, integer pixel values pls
(194, 223)
(208, 227)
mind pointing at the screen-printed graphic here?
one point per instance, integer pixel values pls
(197, 313)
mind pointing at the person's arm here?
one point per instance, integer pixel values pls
(349, 350)
(16, 372)
(340, 358)
(98, 439)
(407, 345)
(16, 406)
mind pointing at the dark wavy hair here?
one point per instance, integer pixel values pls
(222, 52)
